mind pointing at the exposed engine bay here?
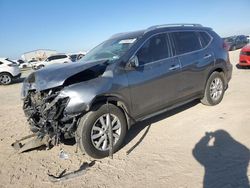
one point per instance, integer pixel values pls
(44, 111)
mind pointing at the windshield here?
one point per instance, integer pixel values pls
(111, 49)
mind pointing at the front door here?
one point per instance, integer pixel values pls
(154, 83)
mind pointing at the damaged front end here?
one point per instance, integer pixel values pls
(53, 103)
(44, 110)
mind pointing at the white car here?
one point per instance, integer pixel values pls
(22, 64)
(54, 59)
(9, 71)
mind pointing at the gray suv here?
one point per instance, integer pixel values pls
(127, 78)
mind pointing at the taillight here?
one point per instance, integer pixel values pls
(225, 45)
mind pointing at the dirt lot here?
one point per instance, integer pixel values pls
(165, 157)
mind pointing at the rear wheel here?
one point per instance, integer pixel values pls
(214, 90)
(5, 78)
(93, 133)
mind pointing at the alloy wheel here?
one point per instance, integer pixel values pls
(100, 132)
(216, 89)
(5, 79)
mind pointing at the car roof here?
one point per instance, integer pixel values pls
(133, 34)
(158, 28)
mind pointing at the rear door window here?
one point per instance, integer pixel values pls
(156, 48)
(186, 41)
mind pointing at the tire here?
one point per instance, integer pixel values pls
(87, 129)
(210, 98)
(5, 78)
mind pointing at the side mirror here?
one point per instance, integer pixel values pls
(133, 62)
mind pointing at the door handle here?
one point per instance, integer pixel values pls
(207, 56)
(174, 67)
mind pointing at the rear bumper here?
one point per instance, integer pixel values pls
(244, 60)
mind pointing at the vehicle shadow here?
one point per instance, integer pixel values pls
(146, 124)
(242, 67)
(225, 160)
(18, 81)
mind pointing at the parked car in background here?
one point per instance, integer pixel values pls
(76, 56)
(128, 78)
(9, 71)
(22, 64)
(52, 60)
(33, 62)
(245, 56)
(236, 42)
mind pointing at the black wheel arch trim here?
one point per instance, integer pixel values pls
(116, 100)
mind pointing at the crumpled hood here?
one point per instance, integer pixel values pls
(56, 75)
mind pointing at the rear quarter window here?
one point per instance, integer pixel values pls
(185, 42)
(205, 38)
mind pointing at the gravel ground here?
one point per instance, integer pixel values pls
(170, 150)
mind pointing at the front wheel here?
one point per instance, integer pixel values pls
(214, 90)
(92, 133)
(5, 78)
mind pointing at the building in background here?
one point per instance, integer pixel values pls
(38, 55)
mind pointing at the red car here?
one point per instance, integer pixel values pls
(245, 56)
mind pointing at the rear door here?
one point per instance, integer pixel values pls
(196, 58)
(153, 84)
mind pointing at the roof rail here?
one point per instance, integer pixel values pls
(173, 25)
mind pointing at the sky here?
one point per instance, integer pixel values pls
(79, 25)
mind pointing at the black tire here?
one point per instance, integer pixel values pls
(4, 76)
(207, 99)
(83, 133)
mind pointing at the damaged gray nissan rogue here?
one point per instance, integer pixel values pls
(128, 78)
